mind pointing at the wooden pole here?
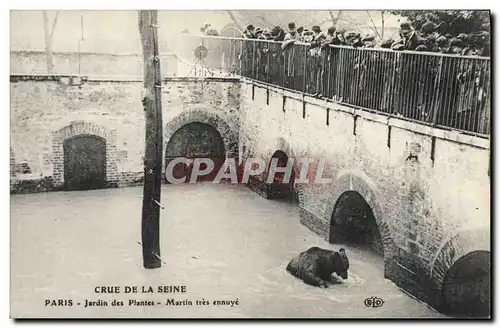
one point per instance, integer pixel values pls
(148, 24)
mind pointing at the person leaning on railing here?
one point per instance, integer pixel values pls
(409, 38)
(249, 32)
(317, 63)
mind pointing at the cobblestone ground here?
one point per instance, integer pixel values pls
(222, 242)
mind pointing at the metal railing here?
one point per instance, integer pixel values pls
(442, 90)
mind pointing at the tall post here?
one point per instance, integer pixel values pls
(148, 20)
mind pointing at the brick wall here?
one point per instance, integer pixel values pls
(45, 112)
(87, 63)
(428, 188)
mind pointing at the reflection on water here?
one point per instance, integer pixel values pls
(223, 242)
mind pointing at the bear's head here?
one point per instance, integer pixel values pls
(341, 263)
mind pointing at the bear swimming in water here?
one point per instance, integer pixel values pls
(316, 265)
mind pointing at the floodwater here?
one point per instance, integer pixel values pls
(223, 242)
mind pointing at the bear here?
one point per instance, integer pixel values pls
(316, 265)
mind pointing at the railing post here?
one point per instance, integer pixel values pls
(304, 87)
(240, 59)
(393, 89)
(253, 59)
(437, 84)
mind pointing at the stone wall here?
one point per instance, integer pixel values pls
(87, 63)
(45, 112)
(428, 188)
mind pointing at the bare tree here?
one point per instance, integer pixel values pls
(382, 13)
(374, 28)
(49, 34)
(235, 21)
(335, 19)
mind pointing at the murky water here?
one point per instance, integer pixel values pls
(223, 242)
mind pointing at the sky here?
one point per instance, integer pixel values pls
(116, 31)
(106, 31)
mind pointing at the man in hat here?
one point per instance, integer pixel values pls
(265, 35)
(353, 39)
(307, 36)
(292, 34)
(368, 41)
(442, 45)
(316, 60)
(330, 35)
(258, 32)
(290, 38)
(338, 37)
(249, 32)
(278, 34)
(410, 40)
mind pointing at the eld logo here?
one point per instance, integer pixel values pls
(374, 302)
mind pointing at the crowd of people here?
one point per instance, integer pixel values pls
(411, 85)
(428, 38)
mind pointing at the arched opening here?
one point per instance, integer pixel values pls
(195, 140)
(279, 188)
(466, 286)
(84, 162)
(353, 223)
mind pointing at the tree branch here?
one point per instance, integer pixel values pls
(54, 25)
(235, 21)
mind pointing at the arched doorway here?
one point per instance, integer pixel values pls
(280, 189)
(353, 222)
(466, 286)
(84, 162)
(195, 140)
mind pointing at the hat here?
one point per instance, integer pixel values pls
(428, 27)
(351, 35)
(456, 42)
(386, 44)
(291, 25)
(258, 30)
(462, 36)
(316, 28)
(250, 27)
(368, 38)
(421, 48)
(441, 41)
(405, 27)
(331, 30)
(398, 47)
(300, 29)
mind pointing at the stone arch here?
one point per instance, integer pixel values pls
(77, 128)
(466, 290)
(283, 150)
(357, 181)
(229, 135)
(465, 241)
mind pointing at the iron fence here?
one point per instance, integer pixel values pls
(436, 89)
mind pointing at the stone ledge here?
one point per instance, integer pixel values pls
(386, 119)
(314, 223)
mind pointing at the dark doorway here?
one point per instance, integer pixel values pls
(279, 188)
(195, 140)
(466, 287)
(353, 222)
(84, 163)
